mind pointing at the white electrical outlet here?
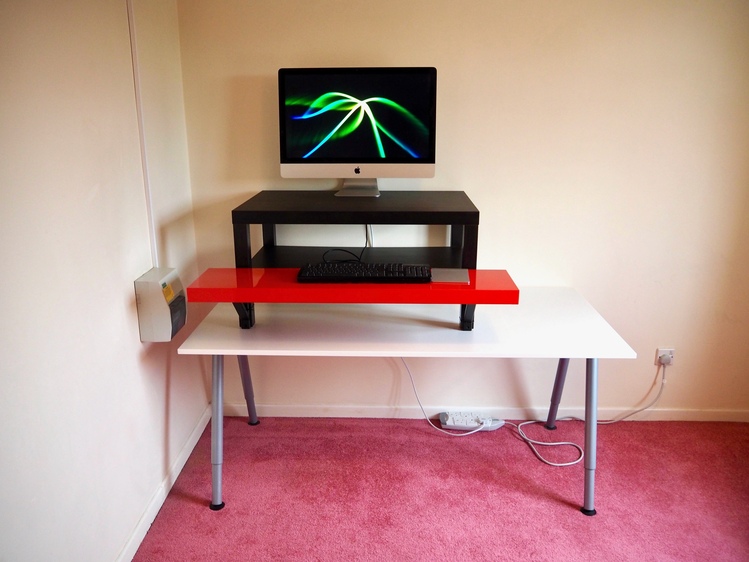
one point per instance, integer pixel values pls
(667, 355)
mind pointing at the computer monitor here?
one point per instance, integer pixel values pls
(357, 124)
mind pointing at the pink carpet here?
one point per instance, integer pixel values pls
(370, 489)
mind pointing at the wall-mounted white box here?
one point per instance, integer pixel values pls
(162, 304)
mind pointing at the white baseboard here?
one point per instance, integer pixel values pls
(159, 496)
(540, 413)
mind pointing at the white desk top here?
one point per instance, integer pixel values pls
(549, 322)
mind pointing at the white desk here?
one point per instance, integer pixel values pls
(548, 323)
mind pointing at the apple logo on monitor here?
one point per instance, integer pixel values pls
(357, 170)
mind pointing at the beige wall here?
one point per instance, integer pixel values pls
(95, 424)
(605, 144)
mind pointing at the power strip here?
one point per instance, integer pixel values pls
(467, 421)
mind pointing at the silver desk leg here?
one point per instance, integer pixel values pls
(249, 394)
(591, 434)
(556, 394)
(217, 431)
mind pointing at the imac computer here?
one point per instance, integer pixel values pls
(357, 124)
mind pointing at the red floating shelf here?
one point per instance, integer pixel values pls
(279, 285)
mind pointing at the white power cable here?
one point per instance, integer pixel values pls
(484, 423)
(532, 443)
(650, 405)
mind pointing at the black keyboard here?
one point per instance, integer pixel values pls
(359, 272)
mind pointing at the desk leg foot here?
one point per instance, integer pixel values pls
(467, 312)
(215, 507)
(246, 313)
(588, 512)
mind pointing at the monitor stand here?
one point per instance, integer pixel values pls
(359, 188)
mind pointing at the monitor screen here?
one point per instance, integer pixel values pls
(357, 122)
